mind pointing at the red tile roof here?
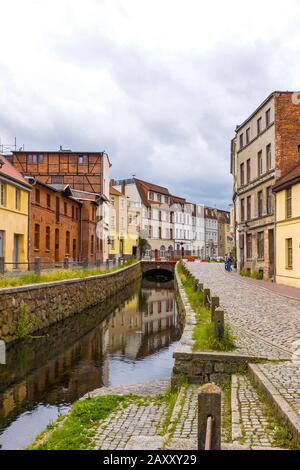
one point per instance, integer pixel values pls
(10, 172)
(292, 177)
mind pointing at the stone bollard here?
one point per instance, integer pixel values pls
(37, 265)
(2, 265)
(206, 297)
(209, 417)
(66, 263)
(219, 324)
(215, 303)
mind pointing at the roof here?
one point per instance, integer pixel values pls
(144, 187)
(58, 188)
(290, 178)
(76, 193)
(8, 171)
(179, 200)
(114, 191)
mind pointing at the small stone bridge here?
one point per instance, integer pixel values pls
(150, 267)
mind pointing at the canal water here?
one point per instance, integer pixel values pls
(128, 339)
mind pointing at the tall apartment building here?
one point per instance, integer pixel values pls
(265, 147)
(183, 226)
(117, 224)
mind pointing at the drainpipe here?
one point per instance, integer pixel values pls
(28, 231)
(275, 225)
(80, 233)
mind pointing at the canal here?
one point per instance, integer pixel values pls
(128, 339)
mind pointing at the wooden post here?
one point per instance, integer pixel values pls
(2, 265)
(209, 413)
(215, 303)
(206, 296)
(37, 265)
(219, 324)
(200, 287)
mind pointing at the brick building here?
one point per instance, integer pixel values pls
(265, 148)
(85, 171)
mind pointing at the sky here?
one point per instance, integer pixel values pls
(158, 84)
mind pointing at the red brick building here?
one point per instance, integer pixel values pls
(85, 171)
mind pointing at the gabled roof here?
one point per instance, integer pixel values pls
(77, 194)
(144, 187)
(113, 191)
(7, 170)
(292, 177)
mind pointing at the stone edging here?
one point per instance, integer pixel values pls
(42, 285)
(282, 408)
(235, 412)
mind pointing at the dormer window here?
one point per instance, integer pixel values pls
(151, 195)
(159, 197)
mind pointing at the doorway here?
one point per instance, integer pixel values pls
(16, 251)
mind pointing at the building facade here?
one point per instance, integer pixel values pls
(14, 217)
(211, 232)
(85, 171)
(287, 193)
(265, 147)
(118, 240)
(55, 219)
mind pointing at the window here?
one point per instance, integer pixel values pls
(36, 236)
(159, 216)
(18, 199)
(151, 195)
(268, 117)
(241, 141)
(74, 248)
(158, 197)
(159, 232)
(248, 135)
(167, 199)
(269, 157)
(47, 238)
(67, 243)
(48, 199)
(57, 210)
(259, 163)
(40, 158)
(242, 210)
(260, 203)
(112, 243)
(150, 231)
(149, 213)
(242, 174)
(260, 245)
(249, 245)
(37, 196)
(65, 208)
(2, 194)
(82, 159)
(269, 200)
(29, 158)
(248, 170)
(259, 125)
(249, 208)
(289, 203)
(289, 253)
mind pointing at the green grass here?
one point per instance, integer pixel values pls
(57, 275)
(253, 274)
(203, 335)
(226, 410)
(76, 430)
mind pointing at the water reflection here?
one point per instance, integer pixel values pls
(128, 339)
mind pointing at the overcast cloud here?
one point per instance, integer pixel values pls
(159, 84)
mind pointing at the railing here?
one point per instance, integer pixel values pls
(38, 265)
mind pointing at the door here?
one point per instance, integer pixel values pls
(16, 251)
(271, 252)
(1, 243)
(56, 244)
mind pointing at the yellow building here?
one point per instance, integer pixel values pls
(287, 191)
(117, 224)
(14, 212)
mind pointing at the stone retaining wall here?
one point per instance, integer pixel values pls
(55, 301)
(201, 367)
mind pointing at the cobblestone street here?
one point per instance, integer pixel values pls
(272, 317)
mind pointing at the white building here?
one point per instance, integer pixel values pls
(198, 231)
(211, 232)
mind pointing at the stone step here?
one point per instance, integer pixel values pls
(280, 384)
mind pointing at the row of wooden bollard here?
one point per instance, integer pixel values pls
(213, 303)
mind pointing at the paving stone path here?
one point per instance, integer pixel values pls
(272, 317)
(256, 430)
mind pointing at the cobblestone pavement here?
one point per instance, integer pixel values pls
(285, 377)
(187, 425)
(273, 317)
(132, 421)
(256, 429)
